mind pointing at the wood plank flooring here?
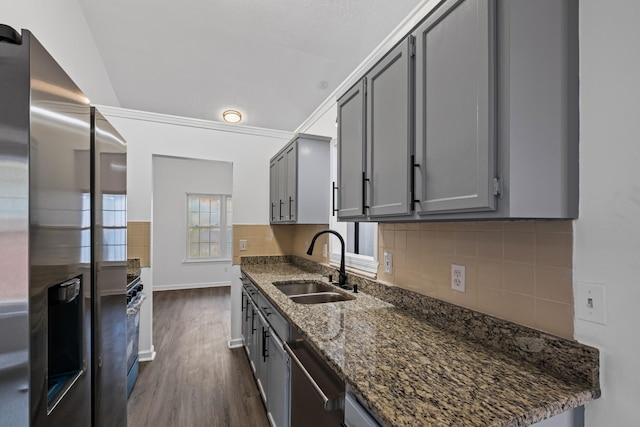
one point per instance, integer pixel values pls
(195, 380)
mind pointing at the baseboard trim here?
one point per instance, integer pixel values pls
(160, 288)
(147, 356)
(235, 343)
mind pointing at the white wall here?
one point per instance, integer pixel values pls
(607, 233)
(173, 178)
(62, 29)
(249, 149)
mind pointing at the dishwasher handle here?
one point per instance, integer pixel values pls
(329, 404)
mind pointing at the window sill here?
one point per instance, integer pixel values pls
(207, 261)
(357, 263)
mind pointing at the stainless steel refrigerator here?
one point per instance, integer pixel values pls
(53, 305)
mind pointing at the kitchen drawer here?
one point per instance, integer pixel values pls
(277, 322)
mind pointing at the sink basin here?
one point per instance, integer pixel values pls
(319, 298)
(300, 288)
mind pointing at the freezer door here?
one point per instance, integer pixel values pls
(109, 229)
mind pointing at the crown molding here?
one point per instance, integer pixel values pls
(398, 33)
(190, 122)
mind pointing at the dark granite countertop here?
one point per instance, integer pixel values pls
(412, 371)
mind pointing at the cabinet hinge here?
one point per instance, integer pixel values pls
(497, 186)
(412, 46)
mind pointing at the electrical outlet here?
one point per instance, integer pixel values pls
(590, 302)
(243, 245)
(388, 263)
(324, 250)
(458, 282)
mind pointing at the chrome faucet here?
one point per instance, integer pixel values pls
(342, 274)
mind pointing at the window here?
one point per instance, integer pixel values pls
(208, 227)
(361, 238)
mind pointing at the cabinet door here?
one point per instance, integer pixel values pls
(389, 134)
(291, 182)
(246, 317)
(281, 171)
(278, 383)
(351, 152)
(455, 138)
(253, 332)
(273, 191)
(261, 349)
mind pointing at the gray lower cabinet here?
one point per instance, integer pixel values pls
(495, 118)
(299, 181)
(262, 369)
(246, 320)
(278, 382)
(263, 332)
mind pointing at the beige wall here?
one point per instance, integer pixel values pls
(139, 241)
(263, 239)
(520, 271)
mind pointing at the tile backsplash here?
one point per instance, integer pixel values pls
(285, 239)
(139, 241)
(519, 271)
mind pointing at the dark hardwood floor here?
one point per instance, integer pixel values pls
(195, 380)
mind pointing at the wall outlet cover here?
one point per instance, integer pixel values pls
(458, 278)
(388, 263)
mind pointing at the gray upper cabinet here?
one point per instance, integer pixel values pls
(351, 153)
(291, 195)
(455, 136)
(274, 196)
(389, 132)
(495, 118)
(299, 187)
(375, 139)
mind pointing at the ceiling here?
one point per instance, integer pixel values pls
(275, 61)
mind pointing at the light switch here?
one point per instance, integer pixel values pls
(590, 302)
(243, 245)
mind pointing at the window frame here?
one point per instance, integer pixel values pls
(225, 230)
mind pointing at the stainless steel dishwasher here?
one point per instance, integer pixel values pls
(317, 393)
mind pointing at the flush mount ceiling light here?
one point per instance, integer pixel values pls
(232, 116)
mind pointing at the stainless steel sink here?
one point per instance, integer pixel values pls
(319, 298)
(303, 287)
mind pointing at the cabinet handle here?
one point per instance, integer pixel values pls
(281, 203)
(364, 192)
(246, 310)
(253, 323)
(290, 214)
(273, 218)
(266, 311)
(265, 352)
(334, 187)
(414, 165)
